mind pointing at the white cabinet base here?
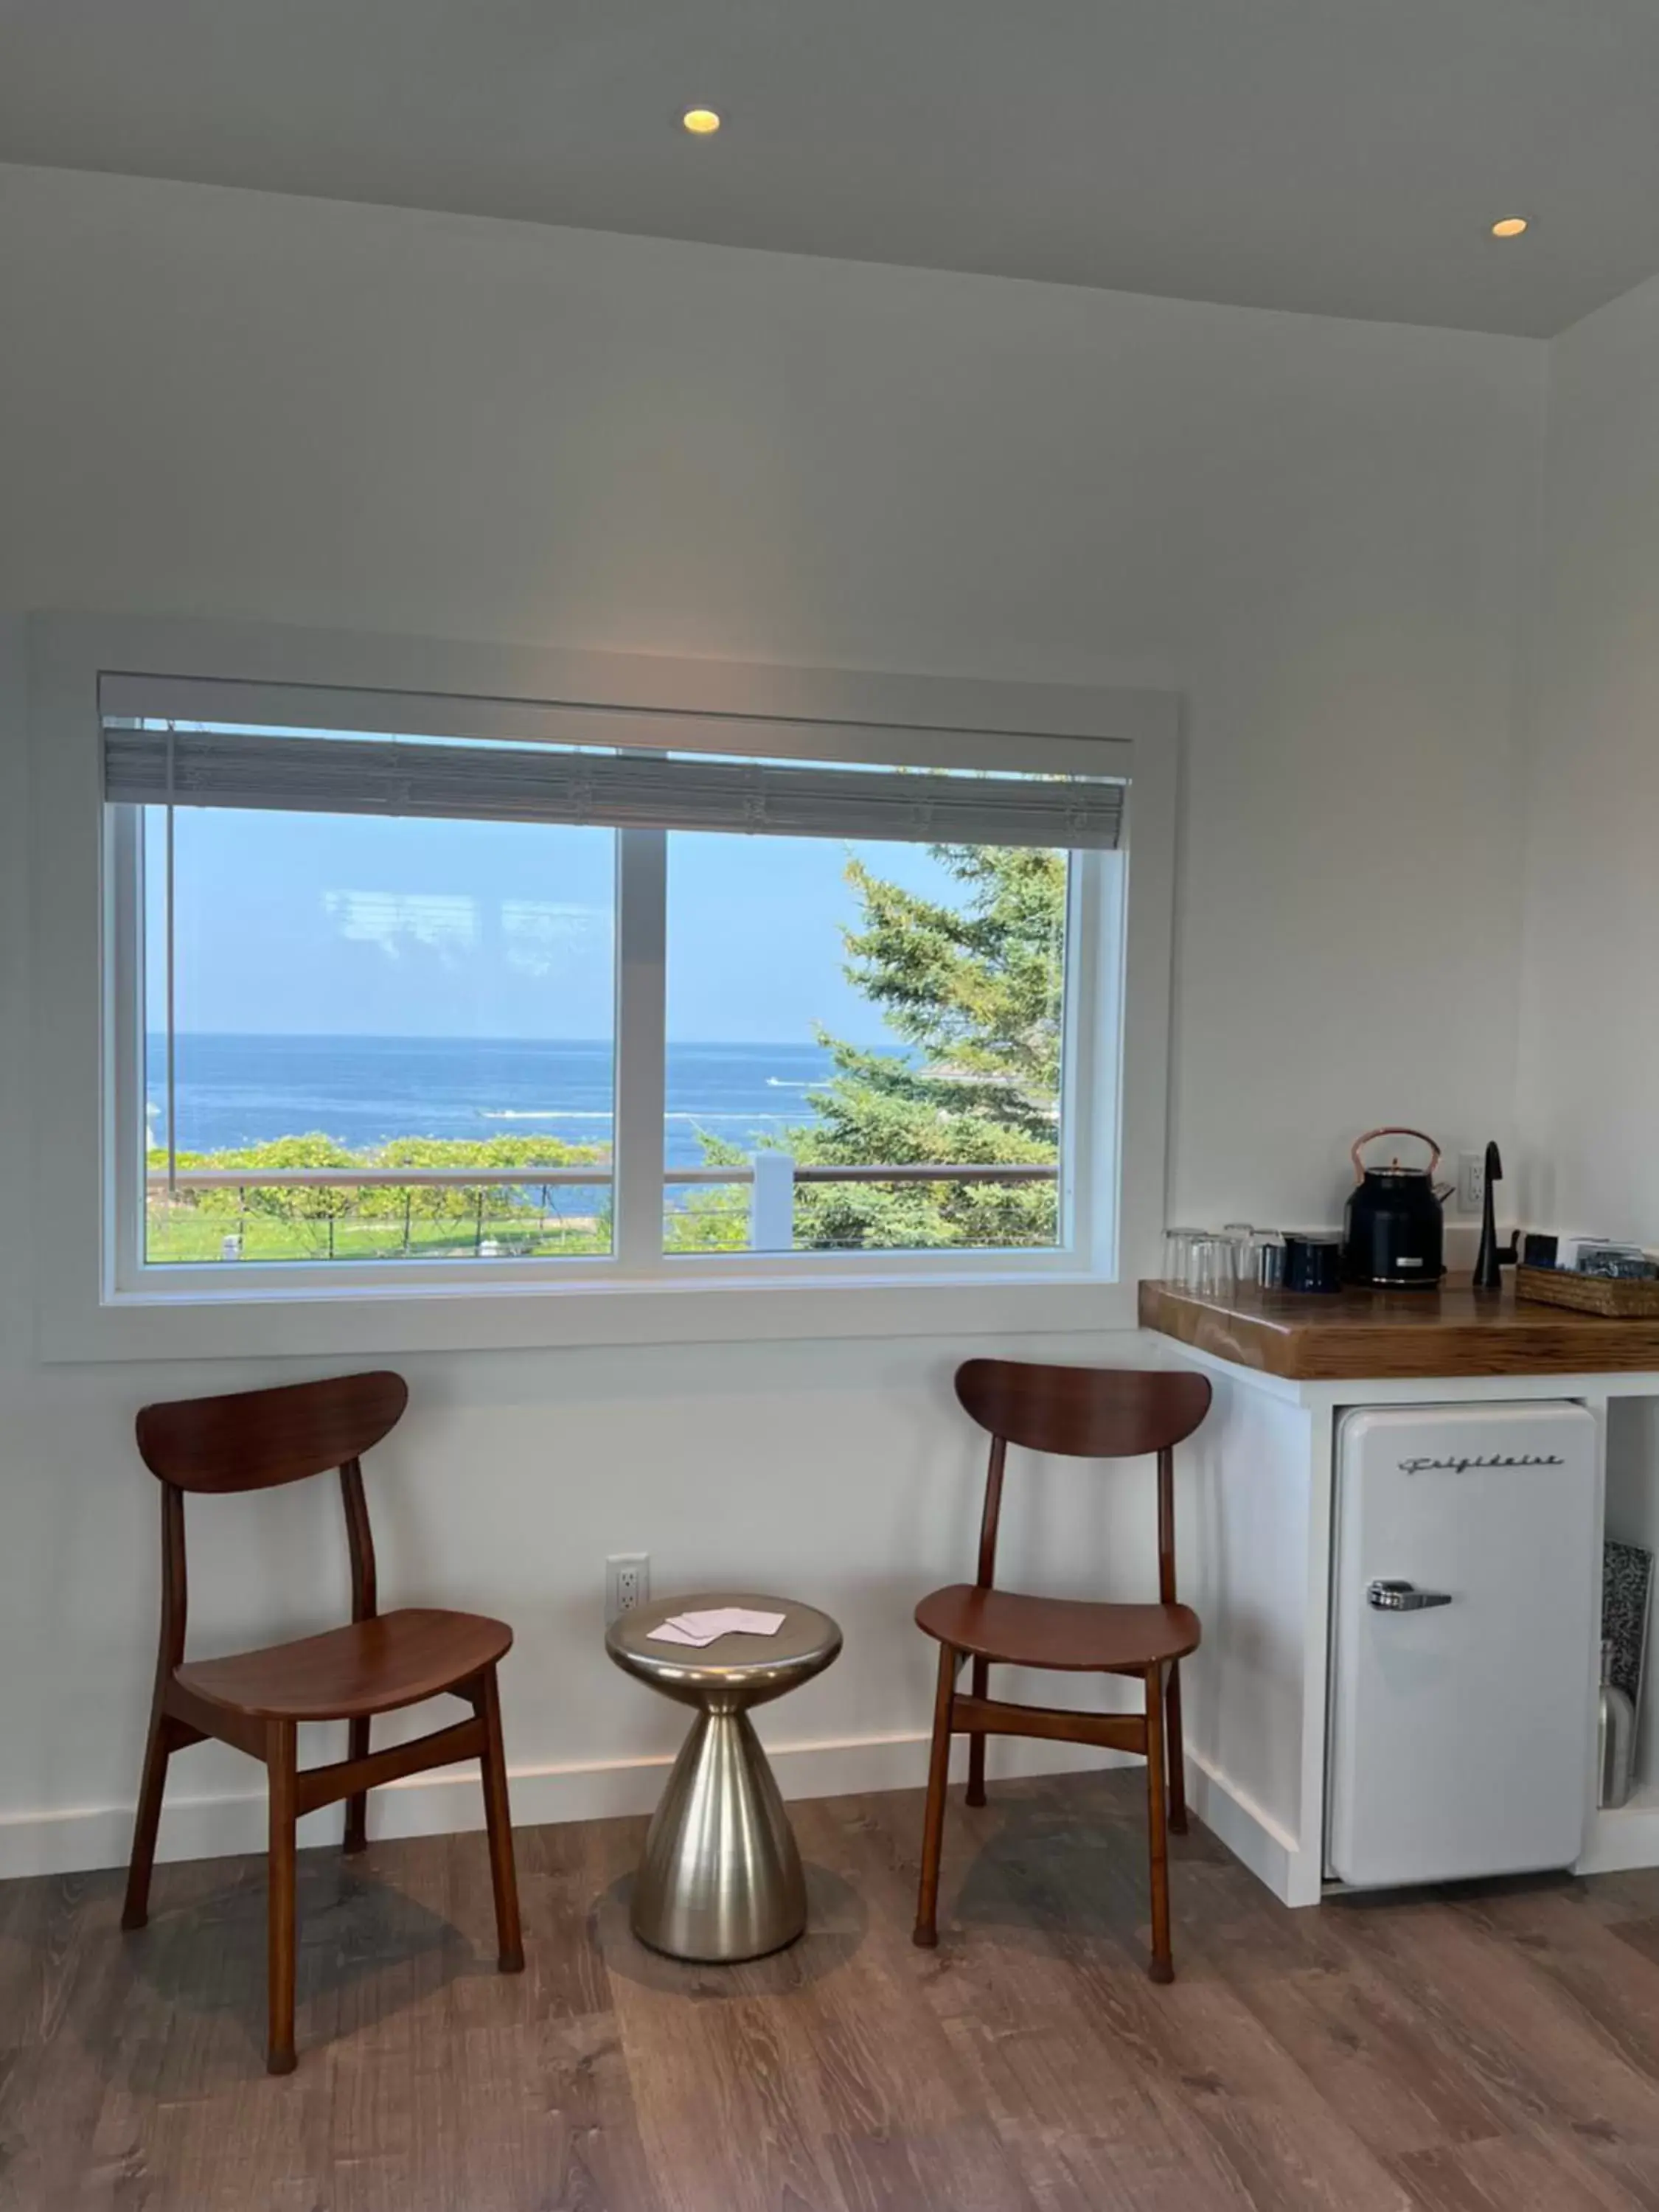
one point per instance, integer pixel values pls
(1254, 1525)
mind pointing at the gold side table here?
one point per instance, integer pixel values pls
(721, 1876)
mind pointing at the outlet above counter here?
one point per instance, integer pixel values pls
(1351, 1335)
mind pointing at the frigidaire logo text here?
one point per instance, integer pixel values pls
(1484, 1459)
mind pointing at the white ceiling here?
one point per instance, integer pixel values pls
(1341, 157)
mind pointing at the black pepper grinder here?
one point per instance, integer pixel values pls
(1492, 1255)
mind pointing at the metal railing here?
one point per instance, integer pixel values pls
(588, 1178)
(772, 1177)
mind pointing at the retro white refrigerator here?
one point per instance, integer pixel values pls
(1464, 1637)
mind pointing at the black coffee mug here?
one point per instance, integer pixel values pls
(1313, 1263)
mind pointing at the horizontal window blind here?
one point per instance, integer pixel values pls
(206, 703)
(294, 773)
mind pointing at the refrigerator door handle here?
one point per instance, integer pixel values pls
(1390, 1596)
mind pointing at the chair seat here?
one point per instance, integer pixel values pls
(369, 1666)
(1064, 1634)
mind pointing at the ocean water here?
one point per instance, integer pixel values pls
(238, 1090)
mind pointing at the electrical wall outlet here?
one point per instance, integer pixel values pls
(1472, 1181)
(627, 1584)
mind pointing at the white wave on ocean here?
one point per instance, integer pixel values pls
(536, 1114)
(780, 1116)
(564, 1114)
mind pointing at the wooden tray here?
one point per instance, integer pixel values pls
(1595, 1294)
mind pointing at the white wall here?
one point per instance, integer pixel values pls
(216, 404)
(1589, 1072)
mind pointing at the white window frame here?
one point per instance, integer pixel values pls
(97, 1302)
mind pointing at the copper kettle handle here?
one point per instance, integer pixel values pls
(1370, 1137)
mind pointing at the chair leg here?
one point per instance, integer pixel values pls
(981, 1680)
(1160, 1966)
(933, 1825)
(509, 1939)
(281, 1761)
(147, 1820)
(356, 1813)
(1178, 1754)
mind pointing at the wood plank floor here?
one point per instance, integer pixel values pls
(1477, 2051)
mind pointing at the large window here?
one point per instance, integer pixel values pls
(601, 996)
(397, 995)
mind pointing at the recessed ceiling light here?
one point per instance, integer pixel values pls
(1510, 227)
(701, 122)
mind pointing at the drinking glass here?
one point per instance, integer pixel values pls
(1177, 1251)
(1244, 1236)
(1212, 1268)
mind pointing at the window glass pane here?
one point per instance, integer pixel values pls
(840, 1017)
(355, 995)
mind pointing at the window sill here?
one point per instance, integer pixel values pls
(309, 1322)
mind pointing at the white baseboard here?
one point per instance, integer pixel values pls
(1271, 1852)
(1627, 1837)
(79, 1840)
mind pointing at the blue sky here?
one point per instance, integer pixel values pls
(348, 925)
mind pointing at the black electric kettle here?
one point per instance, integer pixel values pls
(1393, 1232)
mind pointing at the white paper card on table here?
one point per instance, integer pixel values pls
(699, 1629)
(728, 1620)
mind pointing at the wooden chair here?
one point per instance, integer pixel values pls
(258, 1699)
(1080, 1412)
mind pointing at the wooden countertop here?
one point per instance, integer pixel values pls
(1351, 1334)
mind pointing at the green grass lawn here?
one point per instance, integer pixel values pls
(183, 1234)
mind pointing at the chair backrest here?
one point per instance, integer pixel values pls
(255, 1440)
(1083, 1413)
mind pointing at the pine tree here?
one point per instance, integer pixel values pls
(975, 991)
